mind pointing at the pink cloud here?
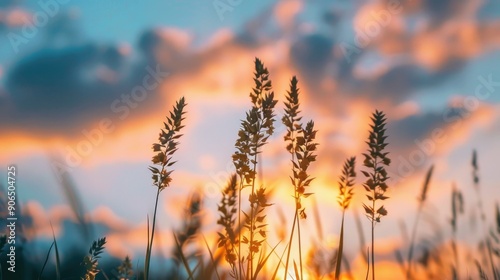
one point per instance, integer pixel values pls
(15, 17)
(286, 11)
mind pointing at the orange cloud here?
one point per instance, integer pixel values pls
(286, 11)
(42, 219)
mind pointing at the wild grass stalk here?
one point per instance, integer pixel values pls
(457, 208)
(187, 233)
(421, 202)
(376, 160)
(168, 141)
(346, 184)
(125, 271)
(70, 190)
(214, 261)
(485, 238)
(227, 209)
(90, 261)
(58, 259)
(255, 130)
(183, 259)
(300, 144)
(495, 236)
(44, 263)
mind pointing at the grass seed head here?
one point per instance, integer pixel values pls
(346, 183)
(168, 141)
(375, 161)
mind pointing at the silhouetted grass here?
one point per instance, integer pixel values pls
(242, 250)
(376, 160)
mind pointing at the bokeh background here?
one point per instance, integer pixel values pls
(85, 87)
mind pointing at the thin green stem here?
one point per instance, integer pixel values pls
(488, 244)
(485, 234)
(296, 196)
(455, 254)
(375, 179)
(250, 273)
(291, 240)
(373, 237)
(340, 250)
(150, 245)
(239, 229)
(368, 260)
(412, 241)
(300, 248)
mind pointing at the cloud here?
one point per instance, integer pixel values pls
(310, 54)
(63, 89)
(490, 10)
(55, 89)
(286, 11)
(66, 83)
(60, 91)
(164, 44)
(13, 18)
(38, 220)
(426, 137)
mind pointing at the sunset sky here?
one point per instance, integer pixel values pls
(86, 85)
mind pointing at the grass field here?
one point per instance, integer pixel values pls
(258, 236)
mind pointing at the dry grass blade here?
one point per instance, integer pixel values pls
(263, 262)
(58, 260)
(106, 276)
(425, 187)
(70, 191)
(340, 252)
(280, 262)
(485, 238)
(183, 258)
(347, 266)
(297, 276)
(400, 260)
(457, 208)
(214, 264)
(422, 198)
(46, 260)
(346, 184)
